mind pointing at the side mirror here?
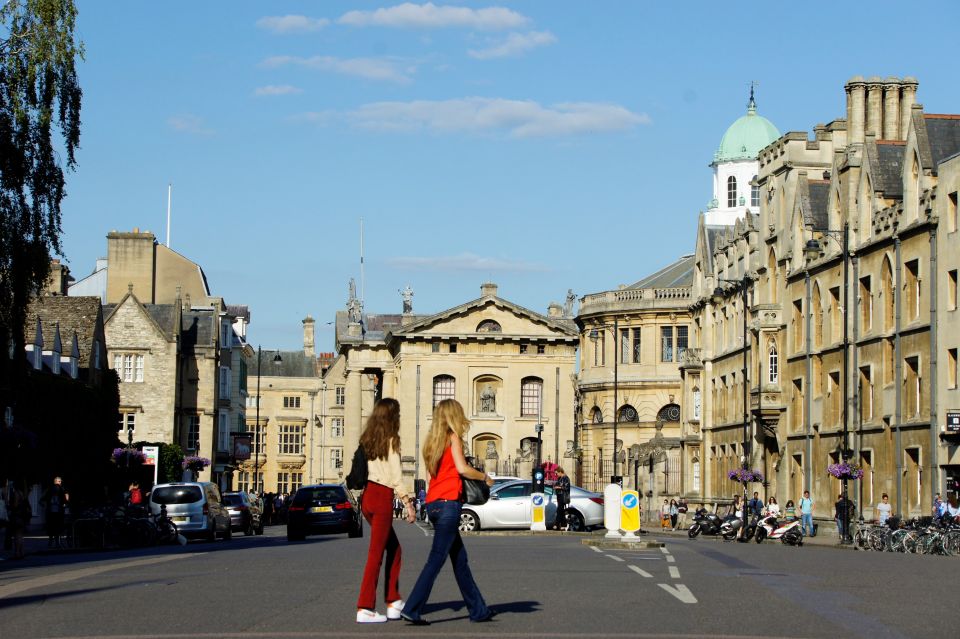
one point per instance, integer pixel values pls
(494, 496)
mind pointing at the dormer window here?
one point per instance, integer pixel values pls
(489, 326)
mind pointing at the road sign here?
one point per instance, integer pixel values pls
(953, 421)
(538, 506)
(152, 458)
(630, 511)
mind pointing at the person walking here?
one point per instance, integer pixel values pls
(674, 514)
(884, 509)
(444, 460)
(665, 515)
(55, 501)
(682, 508)
(806, 514)
(381, 446)
(561, 489)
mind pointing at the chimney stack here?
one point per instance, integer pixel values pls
(488, 289)
(308, 336)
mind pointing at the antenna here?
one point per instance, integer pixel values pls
(361, 262)
(169, 196)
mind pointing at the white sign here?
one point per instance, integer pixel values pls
(152, 454)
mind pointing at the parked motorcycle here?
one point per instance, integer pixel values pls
(704, 522)
(730, 527)
(788, 532)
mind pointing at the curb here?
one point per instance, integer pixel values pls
(622, 545)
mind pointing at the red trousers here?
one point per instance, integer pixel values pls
(377, 508)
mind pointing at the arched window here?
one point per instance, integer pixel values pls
(489, 326)
(531, 392)
(596, 415)
(773, 363)
(444, 387)
(669, 413)
(817, 313)
(731, 192)
(628, 414)
(754, 192)
(697, 400)
(772, 276)
(886, 282)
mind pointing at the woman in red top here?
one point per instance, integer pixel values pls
(443, 458)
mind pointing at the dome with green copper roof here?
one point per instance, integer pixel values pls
(745, 137)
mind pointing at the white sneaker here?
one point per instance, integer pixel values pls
(370, 616)
(393, 610)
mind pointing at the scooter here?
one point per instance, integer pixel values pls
(730, 527)
(704, 522)
(788, 532)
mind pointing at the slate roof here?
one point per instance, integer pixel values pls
(886, 164)
(943, 134)
(714, 235)
(677, 274)
(819, 197)
(375, 326)
(292, 364)
(73, 314)
(239, 310)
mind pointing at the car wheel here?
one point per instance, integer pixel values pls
(575, 521)
(468, 521)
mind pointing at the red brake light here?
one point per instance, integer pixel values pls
(296, 509)
(206, 508)
(597, 500)
(344, 505)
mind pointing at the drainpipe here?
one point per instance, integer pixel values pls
(933, 456)
(556, 422)
(857, 388)
(898, 373)
(416, 453)
(311, 426)
(807, 401)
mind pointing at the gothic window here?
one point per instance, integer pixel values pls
(489, 326)
(444, 387)
(669, 413)
(696, 403)
(596, 415)
(628, 414)
(773, 364)
(531, 391)
(731, 192)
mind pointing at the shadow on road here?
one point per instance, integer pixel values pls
(23, 600)
(520, 607)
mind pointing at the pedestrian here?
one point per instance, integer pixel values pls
(135, 495)
(682, 509)
(380, 441)
(939, 507)
(55, 501)
(268, 509)
(674, 514)
(444, 460)
(953, 510)
(806, 514)
(665, 515)
(790, 511)
(20, 515)
(884, 509)
(755, 506)
(773, 508)
(561, 490)
(841, 512)
(734, 510)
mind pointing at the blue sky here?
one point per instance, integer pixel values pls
(541, 145)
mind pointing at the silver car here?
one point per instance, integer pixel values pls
(509, 507)
(195, 507)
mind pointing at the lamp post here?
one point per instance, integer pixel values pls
(813, 250)
(257, 432)
(717, 298)
(595, 335)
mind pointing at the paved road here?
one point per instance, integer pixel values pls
(543, 586)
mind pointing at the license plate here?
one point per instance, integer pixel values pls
(321, 509)
(179, 520)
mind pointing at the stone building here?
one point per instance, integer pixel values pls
(509, 367)
(632, 342)
(851, 218)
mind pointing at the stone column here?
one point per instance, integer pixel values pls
(908, 98)
(353, 417)
(875, 106)
(856, 108)
(891, 109)
(390, 383)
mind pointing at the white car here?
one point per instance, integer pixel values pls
(509, 507)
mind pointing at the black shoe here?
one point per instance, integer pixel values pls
(419, 621)
(491, 613)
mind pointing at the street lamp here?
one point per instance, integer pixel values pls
(257, 432)
(717, 298)
(813, 250)
(595, 335)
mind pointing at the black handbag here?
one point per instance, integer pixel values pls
(475, 491)
(357, 479)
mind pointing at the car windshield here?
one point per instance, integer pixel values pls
(321, 494)
(232, 500)
(177, 495)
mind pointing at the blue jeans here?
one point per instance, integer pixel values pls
(445, 517)
(806, 523)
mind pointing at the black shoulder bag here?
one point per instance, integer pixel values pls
(357, 479)
(475, 491)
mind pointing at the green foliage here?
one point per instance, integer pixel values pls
(39, 123)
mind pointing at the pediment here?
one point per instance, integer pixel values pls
(476, 318)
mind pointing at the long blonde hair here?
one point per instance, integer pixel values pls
(448, 417)
(382, 434)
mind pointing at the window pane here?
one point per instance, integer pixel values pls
(666, 344)
(530, 392)
(636, 346)
(681, 341)
(624, 345)
(444, 387)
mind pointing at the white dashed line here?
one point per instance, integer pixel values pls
(614, 557)
(670, 559)
(642, 573)
(681, 592)
(664, 550)
(595, 549)
(674, 572)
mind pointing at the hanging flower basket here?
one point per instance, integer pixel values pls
(741, 475)
(845, 471)
(194, 463)
(122, 455)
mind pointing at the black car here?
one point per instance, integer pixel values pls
(324, 508)
(245, 512)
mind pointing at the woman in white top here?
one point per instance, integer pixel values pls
(381, 446)
(773, 508)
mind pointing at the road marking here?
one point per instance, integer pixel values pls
(426, 531)
(674, 572)
(664, 550)
(50, 580)
(670, 559)
(681, 592)
(594, 549)
(614, 557)
(642, 573)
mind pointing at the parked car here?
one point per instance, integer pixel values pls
(509, 507)
(323, 508)
(195, 507)
(502, 479)
(246, 514)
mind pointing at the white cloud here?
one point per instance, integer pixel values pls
(271, 89)
(519, 118)
(514, 44)
(291, 24)
(430, 16)
(465, 262)
(385, 69)
(189, 123)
